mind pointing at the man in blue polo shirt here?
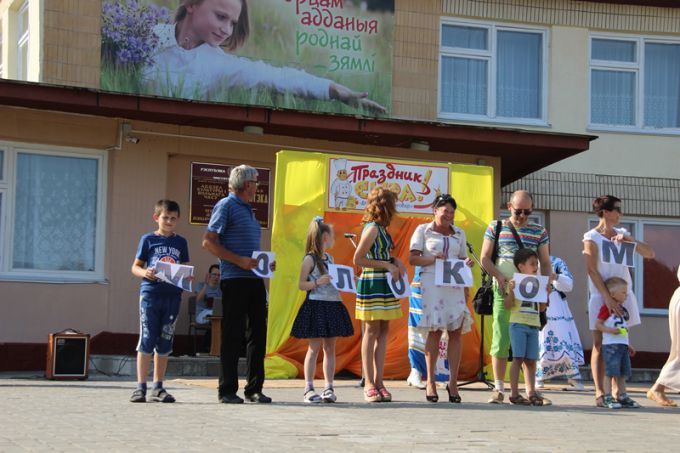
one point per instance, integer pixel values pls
(233, 235)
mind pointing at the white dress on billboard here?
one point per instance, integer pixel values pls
(201, 72)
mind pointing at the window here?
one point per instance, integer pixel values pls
(654, 281)
(634, 84)
(1, 52)
(52, 205)
(22, 43)
(492, 73)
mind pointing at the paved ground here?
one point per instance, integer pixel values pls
(40, 415)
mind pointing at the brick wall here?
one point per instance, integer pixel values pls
(72, 42)
(416, 53)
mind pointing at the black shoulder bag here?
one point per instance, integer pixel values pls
(542, 316)
(482, 303)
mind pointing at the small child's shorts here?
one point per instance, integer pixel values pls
(524, 341)
(157, 319)
(616, 360)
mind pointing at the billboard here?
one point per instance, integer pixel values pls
(315, 55)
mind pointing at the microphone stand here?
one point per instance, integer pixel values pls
(481, 375)
(351, 237)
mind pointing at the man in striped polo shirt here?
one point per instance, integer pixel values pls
(533, 236)
(233, 235)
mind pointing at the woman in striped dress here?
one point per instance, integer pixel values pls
(376, 305)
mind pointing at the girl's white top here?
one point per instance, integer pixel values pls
(196, 73)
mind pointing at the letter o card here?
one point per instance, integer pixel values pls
(264, 260)
(400, 288)
(342, 278)
(531, 288)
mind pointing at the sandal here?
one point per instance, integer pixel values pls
(385, 395)
(311, 396)
(520, 400)
(372, 395)
(599, 401)
(536, 400)
(661, 401)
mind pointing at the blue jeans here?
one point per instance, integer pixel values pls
(616, 360)
(524, 341)
(157, 319)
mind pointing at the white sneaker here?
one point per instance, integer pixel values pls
(576, 386)
(539, 384)
(414, 380)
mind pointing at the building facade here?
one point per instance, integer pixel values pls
(510, 84)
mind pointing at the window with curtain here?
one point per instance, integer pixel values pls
(488, 72)
(55, 230)
(634, 84)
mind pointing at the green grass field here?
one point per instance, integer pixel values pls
(272, 39)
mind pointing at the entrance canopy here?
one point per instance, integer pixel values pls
(521, 151)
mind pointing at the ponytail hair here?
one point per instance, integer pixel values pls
(241, 30)
(314, 244)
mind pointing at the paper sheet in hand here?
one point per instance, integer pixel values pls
(342, 278)
(175, 274)
(531, 288)
(264, 261)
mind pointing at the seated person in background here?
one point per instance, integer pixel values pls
(206, 293)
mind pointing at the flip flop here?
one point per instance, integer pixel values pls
(660, 401)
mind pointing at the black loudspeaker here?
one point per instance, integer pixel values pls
(68, 355)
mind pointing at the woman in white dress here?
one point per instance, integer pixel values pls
(443, 308)
(561, 352)
(608, 209)
(669, 378)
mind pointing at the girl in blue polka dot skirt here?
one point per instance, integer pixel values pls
(322, 317)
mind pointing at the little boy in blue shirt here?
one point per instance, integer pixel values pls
(159, 302)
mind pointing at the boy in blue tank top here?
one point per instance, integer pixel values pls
(159, 302)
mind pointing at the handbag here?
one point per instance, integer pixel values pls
(482, 303)
(542, 315)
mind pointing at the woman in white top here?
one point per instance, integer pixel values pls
(608, 209)
(443, 308)
(189, 61)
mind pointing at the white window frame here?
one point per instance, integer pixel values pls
(23, 39)
(3, 196)
(638, 281)
(491, 57)
(2, 39)
(8, 187)
(636, 67)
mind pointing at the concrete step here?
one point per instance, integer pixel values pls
(122, 365)
(646, 375)
(206, 365)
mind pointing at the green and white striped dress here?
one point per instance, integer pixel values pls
(375, 300)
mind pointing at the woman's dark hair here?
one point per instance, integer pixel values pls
(444, 199)
(604, 203)
(523, 255)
